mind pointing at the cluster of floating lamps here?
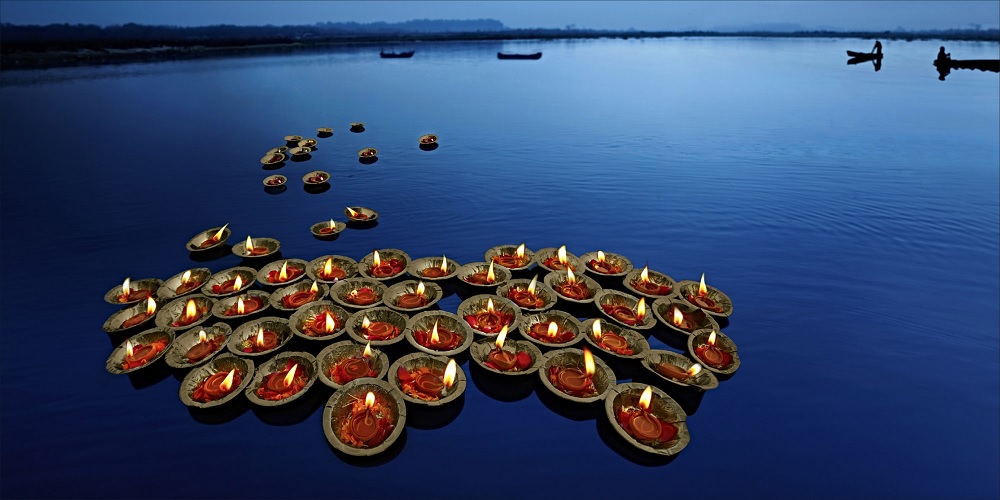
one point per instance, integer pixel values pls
(257, 309)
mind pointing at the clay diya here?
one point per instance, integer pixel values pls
(185, 312)
(488, 314)
(380, 325)
(433, 268)
(293, 140)
(427, 380)
(283, 379)
(551, 329)
(412, 296)
(324, 131)
(606, 263)
(307, 143)
(513, 257)
(255, 248)
(614, 340)
(576, 375)
(367, 153)
(558, 259)
(230, 282)
(131, 317)
(709, 299)
(624, 309)
(330, 269)
(183, 283)
(357, 293)
(273, 158)
(483, 274)
(282, 272)
(647, 418)
(360, 215)
(529, 295)
(649, 284)
(198, 345)
(131, 292)
(384, 264)
(345, 361)
(300, 153)
(681, 316)
(139, 351)
(292, 297)
(357, 127)
(216, 383)
(506, 356)
(209, 239)
(573, 287)
(242, 306)
(321, 320)
(327, 229)
(260, 337)
(715, 351)
(428, 139)
(364, 418)
(679, 370)
(439, 333)
(316, 178)
(273, 181)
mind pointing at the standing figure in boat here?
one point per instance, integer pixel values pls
(877, 49)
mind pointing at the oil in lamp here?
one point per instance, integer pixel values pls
(575, 381)
(353, 367)
(283, 384)
(426, 383)
(217, 386)
(515, 260)
(644, 285)
(526, 297)
(640, 423)
(140, 354)
(609, 341)
(142, 316)
(711, 354)
(436, 272)
(675, 372)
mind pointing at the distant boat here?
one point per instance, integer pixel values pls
(536, 55)
(980, 64)
(864, 56)
(396, 55)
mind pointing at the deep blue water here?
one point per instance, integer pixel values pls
(853, 217)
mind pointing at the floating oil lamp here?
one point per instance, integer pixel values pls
(229, 282)
(283, 379)
(260, 337)
(293, 140)
(330, 269)
(141, 317)
(273, 181)
(357, 127)
(515, 258)
(217, 382)
(647, 418)
(327, 229)
(428, 139)
(358, 292)
(279, 149)
(131, 317)
(412, 296)
(307, 143)
(316, 177)
(572, 287)
(364, 418)
(433, 268)
(380, 325)
(185, 312)
(367, 153)
(553, 259)
(551, 328)
(198, 345)
(614, 340)
(427, 380)
(625, 309)
(283, 272)
(131, 292)
(607, 264)
(510, 357)
(384, 265)
(576, 375)
(295, 296)
(439, 333)
(242, 305)
(682, 317)
(650, 284)
(482, 274)
(529, 295)
(139, 350)
(709, 299)
(324, 131)
(488, 314)
(273, 158)
(257, 247)
(300, 152)
(321, 320)
(343, 362)
(360, 215)
(209, 239)
(679, 370)
(183, 283)
(714, 350)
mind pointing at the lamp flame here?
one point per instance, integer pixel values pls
(561, 254)
(128, 349)
(694, 370)
(352, 212)
(186, 277)
(434, 334)
(531, 286)
(640, 310)
(365, 323)
(126, 285)
(202, 337)
(678, 316)
(190, 310)
(314, 289)
(553, 330)
(333, 225)
(260, 337)
(520, 251)
(420, 289)
(501, 337)
(291, 375)
(449, 374)
(370, 400)
(570, 277)
(367, 354)
(644, 275)
(283, 274)
(646, 398)
(600, 257)
(711, 338)
(702, 289)
(249, 245)
(218, 235)
(489, 306)
(240, 306)
(151, 306)
(490, 277)
(597, 330)
(376, 260)
(588, 362)
(444, 264)
(328, 267)
(237, 283)
(330, 324)
(228, 382)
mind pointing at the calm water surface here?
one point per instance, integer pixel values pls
(851, 215)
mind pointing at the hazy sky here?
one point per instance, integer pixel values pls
(648, 15)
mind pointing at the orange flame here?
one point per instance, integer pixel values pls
(190, 310)
(640, 310)
(711, 338)
(501, 337)
(553, 329)
(588, 362)
(694, 370)
(368, 350)
(370, 400)
(151, 306)
(434, 334)
(449, 374)
(644, 275)
(328, 267)
(202, 337)
(237, 283)
(561, 254)
(128, 349)
(314, 289)
(352, 212)
(597, 330)
(520, 251)
(283, 274)
(490, 277)
(186, 277)
(489, 306)
(330, 324)
(260, 337)
(600, 257)
(218, 235)
(646, 398)
(570, 277)
(240, 306)
(531, 286)
(291, 375)
(702, 289)
(228, 382)
(249, 245)
(126, 285)
(333, 225)
(444, 264)
(678, 316)
(420, 289)
(376, 260)
(365, 323)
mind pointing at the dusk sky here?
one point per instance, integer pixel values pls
(645, 15)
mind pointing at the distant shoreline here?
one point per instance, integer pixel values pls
(87, 53)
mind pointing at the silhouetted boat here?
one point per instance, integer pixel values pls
(980, 64)
(864, 56)
(396, 55)
(536, 55)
